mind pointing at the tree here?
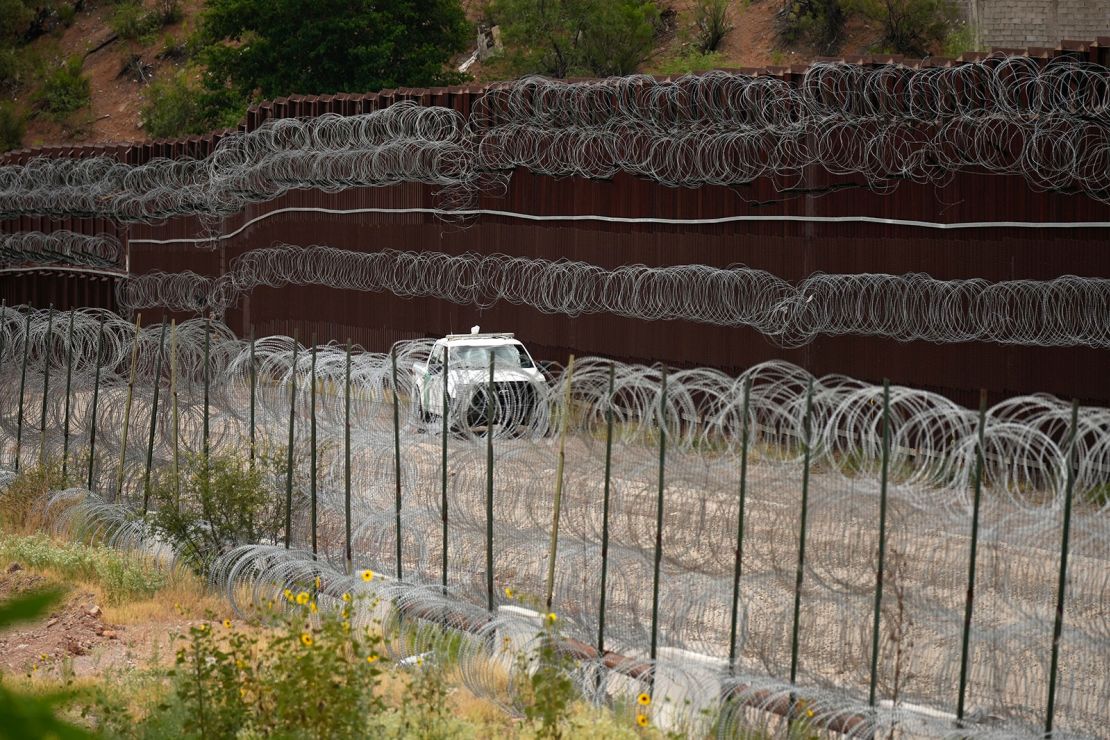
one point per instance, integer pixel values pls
(562, 37)
(911, 27)
(258, 49)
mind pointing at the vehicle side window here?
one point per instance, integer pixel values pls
(436, 358)
(525, 360)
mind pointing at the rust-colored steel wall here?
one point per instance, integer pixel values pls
(789, 249)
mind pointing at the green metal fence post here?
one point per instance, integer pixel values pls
(396, 456)
(69, 389)
(745, 432)
(153, 417)
(808, 451)
(347, 459)
(1058, 625)
(127, 408)
(489, 487)
(47, 354)
(605, 516)
(207, 381)
(659, 516)
(95, 399)
(289, 450)
(970, 598)
(883, 482)
(312, 448)
(22, 387)
(254, 385)
(560, 462)
(443, 467)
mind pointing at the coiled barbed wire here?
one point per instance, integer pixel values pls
(59, 248)
(1065, 311)
(1048, 123)
(1029, 467)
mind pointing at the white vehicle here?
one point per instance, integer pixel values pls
(519, 386)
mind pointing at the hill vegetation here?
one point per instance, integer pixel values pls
(125, 70)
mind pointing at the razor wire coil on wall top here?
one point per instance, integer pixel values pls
(1048, 123)
(1029, 467)
(1066, 311)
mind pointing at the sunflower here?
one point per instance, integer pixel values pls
(508, 592)
(368, 575)
(371, 658)
(551, 617)
(312, 606)
(227, 624)
(642, 720)
(346, 597)
(302, 598)
(643, 699)
(306, 639)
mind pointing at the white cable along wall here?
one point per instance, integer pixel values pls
(1034, 463)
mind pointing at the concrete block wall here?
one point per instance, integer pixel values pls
(1022, 23)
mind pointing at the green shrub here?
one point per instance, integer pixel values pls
(173, 108)
(217, 504)
(123, 577)
(65, 90)
(13, 125)
(911, 27)
(960, 39)
(692, 61)
(129, 20)
(21, 502)
(819, 22)
(563, 37)
(711, 23)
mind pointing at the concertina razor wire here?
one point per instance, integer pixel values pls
(1063, 312)
(1047, 123)
(1031, 460)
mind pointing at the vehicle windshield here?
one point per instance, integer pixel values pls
(504, 355)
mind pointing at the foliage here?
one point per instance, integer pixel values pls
(311, 676)
(551, 691)
(712, 24)
(819, 22)
(21, 501)
(32, 715)
(960, 39)
(564, 37)
(173, 108)
(256, 49)
(13, 125)
(65, 90)
(691, 61)
(131, 21)
(911, 27)
(123, 577)
(218, 503)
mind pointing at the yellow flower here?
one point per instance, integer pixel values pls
(551, 617)
(419, 661)
(346, 597)
(289, 594)
(317, 581)
(227, 623)
(644, 699)
(371, 658)
(346, 626)
(312, 607)
(642, 720)
(346, 613)
(306, 639)
(809, 713)
(508, 592)
(240, 663)
(368, 575)
(203, 627)
(302, 598)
